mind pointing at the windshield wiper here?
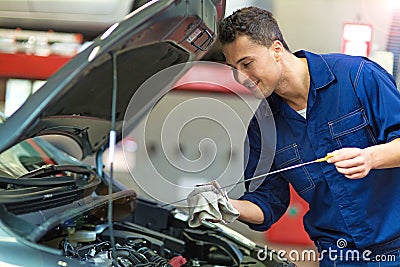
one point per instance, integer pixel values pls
(39, 182)
(41, 177)
(57, 169)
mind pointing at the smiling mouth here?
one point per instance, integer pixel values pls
(249, 84)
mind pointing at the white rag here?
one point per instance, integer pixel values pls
(209, 202)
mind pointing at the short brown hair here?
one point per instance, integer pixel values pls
(258, 24)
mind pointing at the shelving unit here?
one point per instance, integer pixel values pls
(35, 55)
(33, 67)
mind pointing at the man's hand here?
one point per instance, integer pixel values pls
(354, 163)
(209, 202)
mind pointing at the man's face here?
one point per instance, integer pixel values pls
(255, 66)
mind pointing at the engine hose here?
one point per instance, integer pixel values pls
(119, 256)
(126, 254)
(139, 256)
(154, 257)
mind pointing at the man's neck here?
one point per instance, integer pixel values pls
(295, 83)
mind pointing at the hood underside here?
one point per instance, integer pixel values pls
(77, 100)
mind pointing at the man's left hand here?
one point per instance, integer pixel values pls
(354, 163)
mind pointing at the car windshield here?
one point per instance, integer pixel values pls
(30, 155)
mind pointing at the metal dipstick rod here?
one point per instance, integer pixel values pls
(265, 175)
(280, 170)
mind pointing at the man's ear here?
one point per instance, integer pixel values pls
(278, 48)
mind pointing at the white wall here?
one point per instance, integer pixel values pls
(316, 25)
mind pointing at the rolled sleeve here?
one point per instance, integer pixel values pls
(377, 91)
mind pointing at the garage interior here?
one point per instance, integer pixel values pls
(31, 50)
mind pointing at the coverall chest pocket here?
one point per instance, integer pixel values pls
(352, 130)
(298, 177)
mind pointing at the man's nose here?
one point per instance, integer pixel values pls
(242, 78)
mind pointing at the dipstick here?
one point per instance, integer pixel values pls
(328, 156)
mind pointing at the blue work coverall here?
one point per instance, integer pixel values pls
(352, 102)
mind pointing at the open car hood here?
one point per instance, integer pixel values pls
(77, 100)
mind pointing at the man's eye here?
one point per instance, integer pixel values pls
(247, 64)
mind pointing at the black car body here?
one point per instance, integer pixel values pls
(57, 211)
